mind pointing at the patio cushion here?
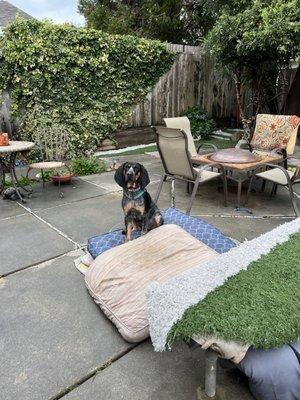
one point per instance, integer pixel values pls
(117, 279)
(198, 228)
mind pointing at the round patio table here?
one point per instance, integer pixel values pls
(8, 156)
(240, 162)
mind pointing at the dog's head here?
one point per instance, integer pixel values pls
(132, 176)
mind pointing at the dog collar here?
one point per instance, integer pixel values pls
(135, 194)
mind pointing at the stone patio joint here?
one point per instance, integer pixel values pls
(40, 263)
(77, 245)
(94, 372)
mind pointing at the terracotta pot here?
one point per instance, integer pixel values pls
(62, 178)
(4, 141)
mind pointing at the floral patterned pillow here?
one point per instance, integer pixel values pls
(274, 131)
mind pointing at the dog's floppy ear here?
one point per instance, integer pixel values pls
(144, 177)
(119, 176)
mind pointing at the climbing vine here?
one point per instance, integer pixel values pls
(85, 79)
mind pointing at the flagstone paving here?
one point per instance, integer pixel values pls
(55, 342)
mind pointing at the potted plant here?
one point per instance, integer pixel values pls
(62, 175)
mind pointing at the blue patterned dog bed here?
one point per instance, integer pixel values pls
(196, 227)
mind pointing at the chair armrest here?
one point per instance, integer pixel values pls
(293, 158)
(208, 145)
(242, 142)
(208, 166)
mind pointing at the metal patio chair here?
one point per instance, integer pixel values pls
(173, 148)
(273, 133)
(184, 124)
(52, 149)
(278, 175)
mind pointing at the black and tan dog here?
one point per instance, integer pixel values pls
(141, 213)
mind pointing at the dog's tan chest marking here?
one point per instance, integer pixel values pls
(132, 205)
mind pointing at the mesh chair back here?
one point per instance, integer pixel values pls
(184, 124)
(173, 148)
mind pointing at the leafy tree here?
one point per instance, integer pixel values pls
(175, 21)
(255, 45)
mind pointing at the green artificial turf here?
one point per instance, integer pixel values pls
(220, 143)
(259, 306)
(141, 150)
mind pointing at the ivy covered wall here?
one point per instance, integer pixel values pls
(85, 79)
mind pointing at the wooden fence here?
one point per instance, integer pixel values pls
(192, 80)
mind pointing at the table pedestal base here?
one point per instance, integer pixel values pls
(8, 166)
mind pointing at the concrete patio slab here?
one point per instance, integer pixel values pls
(210, 200)
(104, 181)
(52, 333)
(9, 208)
(81, 220)
(48, 197)
(26, 241)
(241, 228)
(145, 375)
(107, 182)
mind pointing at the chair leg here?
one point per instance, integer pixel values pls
(196, 184)
(263, 185)
(43, 178)
(190, 187)
(273, 190)
(173, 193)
(293, 200)
(162, 180)
(60, 193)
(249, 189)
(225, 189)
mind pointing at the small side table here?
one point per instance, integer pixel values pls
(8, 156)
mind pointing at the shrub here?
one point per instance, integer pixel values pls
(86, 166)
(87, 78)
(201, 125)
